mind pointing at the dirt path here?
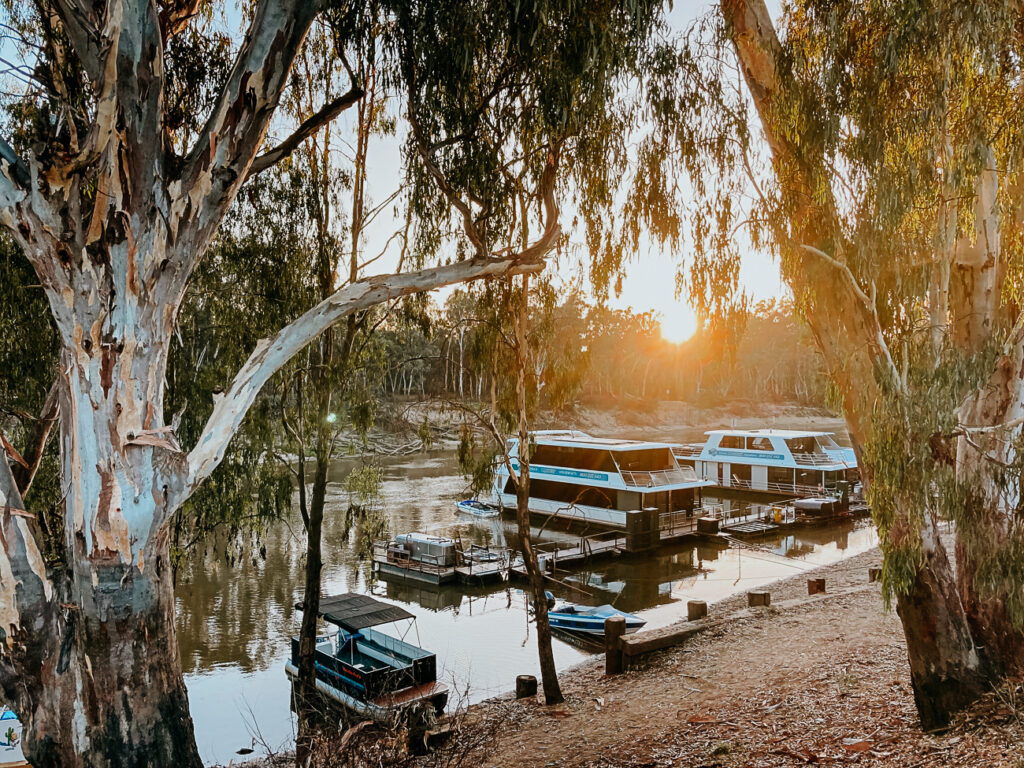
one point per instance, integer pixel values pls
(824, 683)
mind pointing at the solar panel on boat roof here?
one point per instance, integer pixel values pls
(353, 611)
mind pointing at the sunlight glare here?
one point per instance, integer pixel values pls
(678, 323)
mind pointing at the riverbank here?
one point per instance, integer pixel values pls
(824, 683)
(404, 425)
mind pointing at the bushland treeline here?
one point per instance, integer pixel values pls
(586, 351)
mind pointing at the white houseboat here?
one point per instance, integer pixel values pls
(780, 461)
(598, 480)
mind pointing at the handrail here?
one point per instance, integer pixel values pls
(657, 477)
(688, 450)
(795, 488)
(817, 459)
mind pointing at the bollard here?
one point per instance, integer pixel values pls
(696, 609)
(614, 629)
(874, 574)
(526, 686)
(759, 598)
(815, 586)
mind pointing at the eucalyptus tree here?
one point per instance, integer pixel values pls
(114, 201)
(887, 183)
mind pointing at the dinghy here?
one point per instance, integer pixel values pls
(476, 508)
(586, 620)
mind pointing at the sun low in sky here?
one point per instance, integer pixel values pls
(678, 322)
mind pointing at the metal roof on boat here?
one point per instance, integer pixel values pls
(768, 432)
(353, 611)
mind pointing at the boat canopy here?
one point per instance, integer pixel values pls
(353, 612)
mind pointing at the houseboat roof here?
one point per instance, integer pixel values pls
(784, 433)
(575, 439)
(353, 612)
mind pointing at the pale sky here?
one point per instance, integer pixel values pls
(649, 282)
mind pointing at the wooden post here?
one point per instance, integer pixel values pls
(526, 686)
(874, 574)
(696, 609)
(759, 598)
(815, 586)
(614, 629)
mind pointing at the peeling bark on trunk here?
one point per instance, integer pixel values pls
(946, 668)
(106, 684)
(991, 420)
(944, 661)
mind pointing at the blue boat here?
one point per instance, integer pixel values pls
(366, 670)
(582, 619)
(477, 508)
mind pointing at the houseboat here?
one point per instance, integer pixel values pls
(777, 461)
(598, 480)
(367, 671)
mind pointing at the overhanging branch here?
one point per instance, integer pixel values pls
(308, 127)
(273, 353)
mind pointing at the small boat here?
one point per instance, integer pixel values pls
(438, 560)
(585, 620)
(366, 670)
(477, 508)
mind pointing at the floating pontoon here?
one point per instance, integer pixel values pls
(366, 670)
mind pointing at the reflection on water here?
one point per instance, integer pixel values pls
(234, 619)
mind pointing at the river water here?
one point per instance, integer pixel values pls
(235, 619)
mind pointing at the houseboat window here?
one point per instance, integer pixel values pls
(567, 493)
(826, 442)
(802, 445)
(759, 443)
(645, 460)
(731, 441)
(783, 475)
(740, 474)
(808, 477)
(575, 458)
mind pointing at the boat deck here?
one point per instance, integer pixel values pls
(750, 526)
(411, 695)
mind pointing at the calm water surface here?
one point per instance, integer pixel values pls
(234, 620)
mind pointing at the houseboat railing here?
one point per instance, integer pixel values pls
(817, 459)
(683, 521)
(658, 477)
(783, 488)
(688, 450)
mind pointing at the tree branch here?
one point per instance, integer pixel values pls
(468, 222)
(272, 353)
(219, 161)
(175, 16)
(308, 127)
(25, 473)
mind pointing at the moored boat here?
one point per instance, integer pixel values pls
(438, 560)
(367, 671)
(782, 462)
(596, 480)
(477, 508)
(587, 620)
